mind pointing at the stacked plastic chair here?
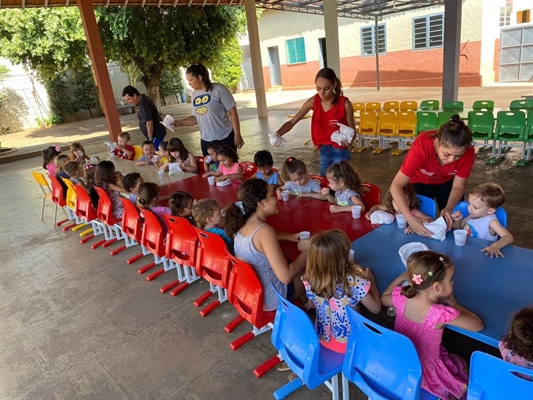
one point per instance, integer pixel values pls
(368, 130)
(409, 105)
(429, 105)
(387, 130)
(510, 132)
(426, 121)
(454, 107)
(391, 106)
(483, 105)
(481, 123)
(406, 131)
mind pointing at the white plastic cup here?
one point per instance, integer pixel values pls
(111, 155)
(351, 255)
(161, 174)
(401, 221)
(208, 159)
(460, 237)
(211, 180)
(157, 158)
(356, 212)
(304, 235)
(80, 153)
(285, 194)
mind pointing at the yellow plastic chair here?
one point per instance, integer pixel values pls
(387, 130)
(138, 151)
(406, 131)
(71, 207)
(408, 105)
(373, 106)
(45, 187)
(368, 131)
(391, 106)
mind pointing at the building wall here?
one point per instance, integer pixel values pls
(400, 66)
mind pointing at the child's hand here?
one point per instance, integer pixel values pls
(450, 301)
(278, 194)
(206, 175)
(492, 251)
(369, 213)
(334, 208)
(457, 216)
(324, 191)
(118, 174)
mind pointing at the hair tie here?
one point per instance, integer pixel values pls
(290, 159)
(430, 273)
(417, 279)
(58, 148)
(89, 167)
(441, 259)
(239, 205)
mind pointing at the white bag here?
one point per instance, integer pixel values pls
(167, 122)
(111, 146)
(407, 249)
(438, 228)
(276, 140)
(343, 136)
(174, 168)
(225, 182)
(381, 217)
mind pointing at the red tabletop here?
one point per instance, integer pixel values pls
(295, 215)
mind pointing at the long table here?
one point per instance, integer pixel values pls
(148, 172)
(493, 288)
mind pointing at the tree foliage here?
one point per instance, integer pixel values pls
(85, 91)
(13, 111)
(157, 38)
(227, 69)
(46, 40)
(4, 72)
(171, 83)
(58, 100)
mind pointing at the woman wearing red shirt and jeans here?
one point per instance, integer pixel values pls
(329, 108)
(438, 165)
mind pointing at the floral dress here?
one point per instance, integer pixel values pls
(443, 374)
(332, 325)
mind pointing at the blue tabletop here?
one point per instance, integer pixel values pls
(493, 288)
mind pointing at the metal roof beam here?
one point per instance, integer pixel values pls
(317, 11)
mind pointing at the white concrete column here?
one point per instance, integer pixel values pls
(452, 49)
(255, 52)
(332, 36)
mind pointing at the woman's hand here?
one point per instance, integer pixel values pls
(239, 141)
(303, 245)
(418, 227)
(447, 214)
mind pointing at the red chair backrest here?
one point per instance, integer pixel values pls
(246, 294)
(58, 196)
(322, 180)
(248, 169)
(372, 197)
(84, 208)
(212, 261)
(200, 163)
(131, 220)
(152, 233)
(182, 241)
(105, 207)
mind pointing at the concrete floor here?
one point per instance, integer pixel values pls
(77, 323)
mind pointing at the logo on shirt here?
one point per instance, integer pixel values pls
(199, 103)
(453, 172)
(333, 122)
(426, 172)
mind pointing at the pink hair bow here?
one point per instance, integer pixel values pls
(417, 279)
(58, 148)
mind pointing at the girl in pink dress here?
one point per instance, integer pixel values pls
(228, 167)
(422, 309)
(148, 199)
(517, 346)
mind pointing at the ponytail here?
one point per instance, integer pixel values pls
(292, 166)
(198, 69)
(455, 132)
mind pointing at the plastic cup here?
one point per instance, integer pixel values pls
(285, 194)
(111, 155)
(351, 255)
(460, 237)
(356, 212)
(208, 159)
(304, 235)
(400, 220)
(157, 158)
(211, 180)
(161, 174)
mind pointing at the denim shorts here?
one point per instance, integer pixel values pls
(330, 155)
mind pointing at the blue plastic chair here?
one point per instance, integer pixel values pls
(428, 206)
(492, 378)
(295, 338)
(501, 214)
(382, 363)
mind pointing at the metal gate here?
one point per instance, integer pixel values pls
(516, 53)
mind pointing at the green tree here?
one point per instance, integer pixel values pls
(46, 40)
(85, 91)
(170, 84)
(13, 111)
(4, 72)
(58, 100)
(227, 70)
(157, 38)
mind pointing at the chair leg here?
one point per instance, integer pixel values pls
(42, 208)
(55, 214)
(345, 388)
(288, 388)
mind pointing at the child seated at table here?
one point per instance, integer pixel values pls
(482, 221)
(206, 213)
(517, 346)
(178, 153)
(148, 154)
(388, 205)
(49, 155)
(60, 161)
(72, 169)
(123, 148)
(107, 178)
(131, 183)
(348, 187)
(332, 283)
(77, 153)
(181, 204)
(148, 199)
(228, 165)
(161, 157)
(423, 307)
(294, 173)
(264, 163)
(212, 166)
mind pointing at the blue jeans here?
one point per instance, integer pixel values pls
(330, 155)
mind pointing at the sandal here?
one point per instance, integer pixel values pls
(292, 376)
(282, 367)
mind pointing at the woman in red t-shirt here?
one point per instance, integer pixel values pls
(329, 108)
(438, 165)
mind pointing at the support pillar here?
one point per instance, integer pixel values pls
(255, 53)
(96, 52)
(331, 27)
(452, 41)
(376, 52)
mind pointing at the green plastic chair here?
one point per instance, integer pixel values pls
(510, 127)
(453, 106)
(427, 105)
(483, 105)
(517, 105)
(481, 123)
(426, 121)
(444, 116)
(528, 141)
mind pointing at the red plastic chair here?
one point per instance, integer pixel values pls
(181, 249)
(372, 197)
(152, 239)
(85, 212)
(248, 169)
(322, 180)
(246, 294)
(58, 197)
(200, 163)
(131, 228)
(212, 264)
(105, 215)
